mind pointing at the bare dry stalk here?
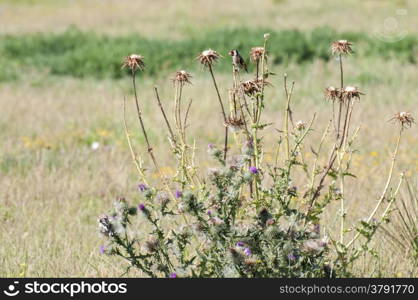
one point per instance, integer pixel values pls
(222, 109)
(128, 138)
(164, 115)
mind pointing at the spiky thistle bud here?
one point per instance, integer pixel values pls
(300, 125)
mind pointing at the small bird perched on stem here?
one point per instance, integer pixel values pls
(238, 61)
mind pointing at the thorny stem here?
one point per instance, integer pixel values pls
(256, 121)
(340, 96)
(286, 117)
(164, 114)
(138, 110)
(128, 138)
(223, 110)
(383, 196)
(317, 156)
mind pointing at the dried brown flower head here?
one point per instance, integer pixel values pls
(252, 87)
(300, 125)
(134, 62)
(182, 77)
(351, 92)
(332, 93)
(404, 118)
(256, 54)
(235, 123)
(208, 57)
(341, 47)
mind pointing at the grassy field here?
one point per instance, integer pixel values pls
(54, 185)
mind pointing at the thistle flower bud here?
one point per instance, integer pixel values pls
(247, 251)
(264, 216)
(142, 187)
(151, 245)
(178, 194)
(162, 199)
(236, 256)
(300, 125)
(313, 246)
(253, 170)
(291, 257)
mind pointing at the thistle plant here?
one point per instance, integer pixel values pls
(244, 217)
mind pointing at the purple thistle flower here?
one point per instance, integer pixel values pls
(102, 249)
(209, 212)
(253, 170)
(322, 243)
(142, 187)
(211, 146)
(291, 257)
(247, 251)
(173, 275)
(141, 207)
(178, 194)
(317, 228)
(240, 244)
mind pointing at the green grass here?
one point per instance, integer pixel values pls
(87, 54)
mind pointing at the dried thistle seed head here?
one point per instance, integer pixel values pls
(252, 87)
(404, 118)
(256, 54)
(332, 93)
(182, 77)
(134, 62)
(266, 36)
(208, 57)
(235, 123)
(350, 92)
(300, 125)
(341, 47)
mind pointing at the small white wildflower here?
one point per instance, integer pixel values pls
(95, 145)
